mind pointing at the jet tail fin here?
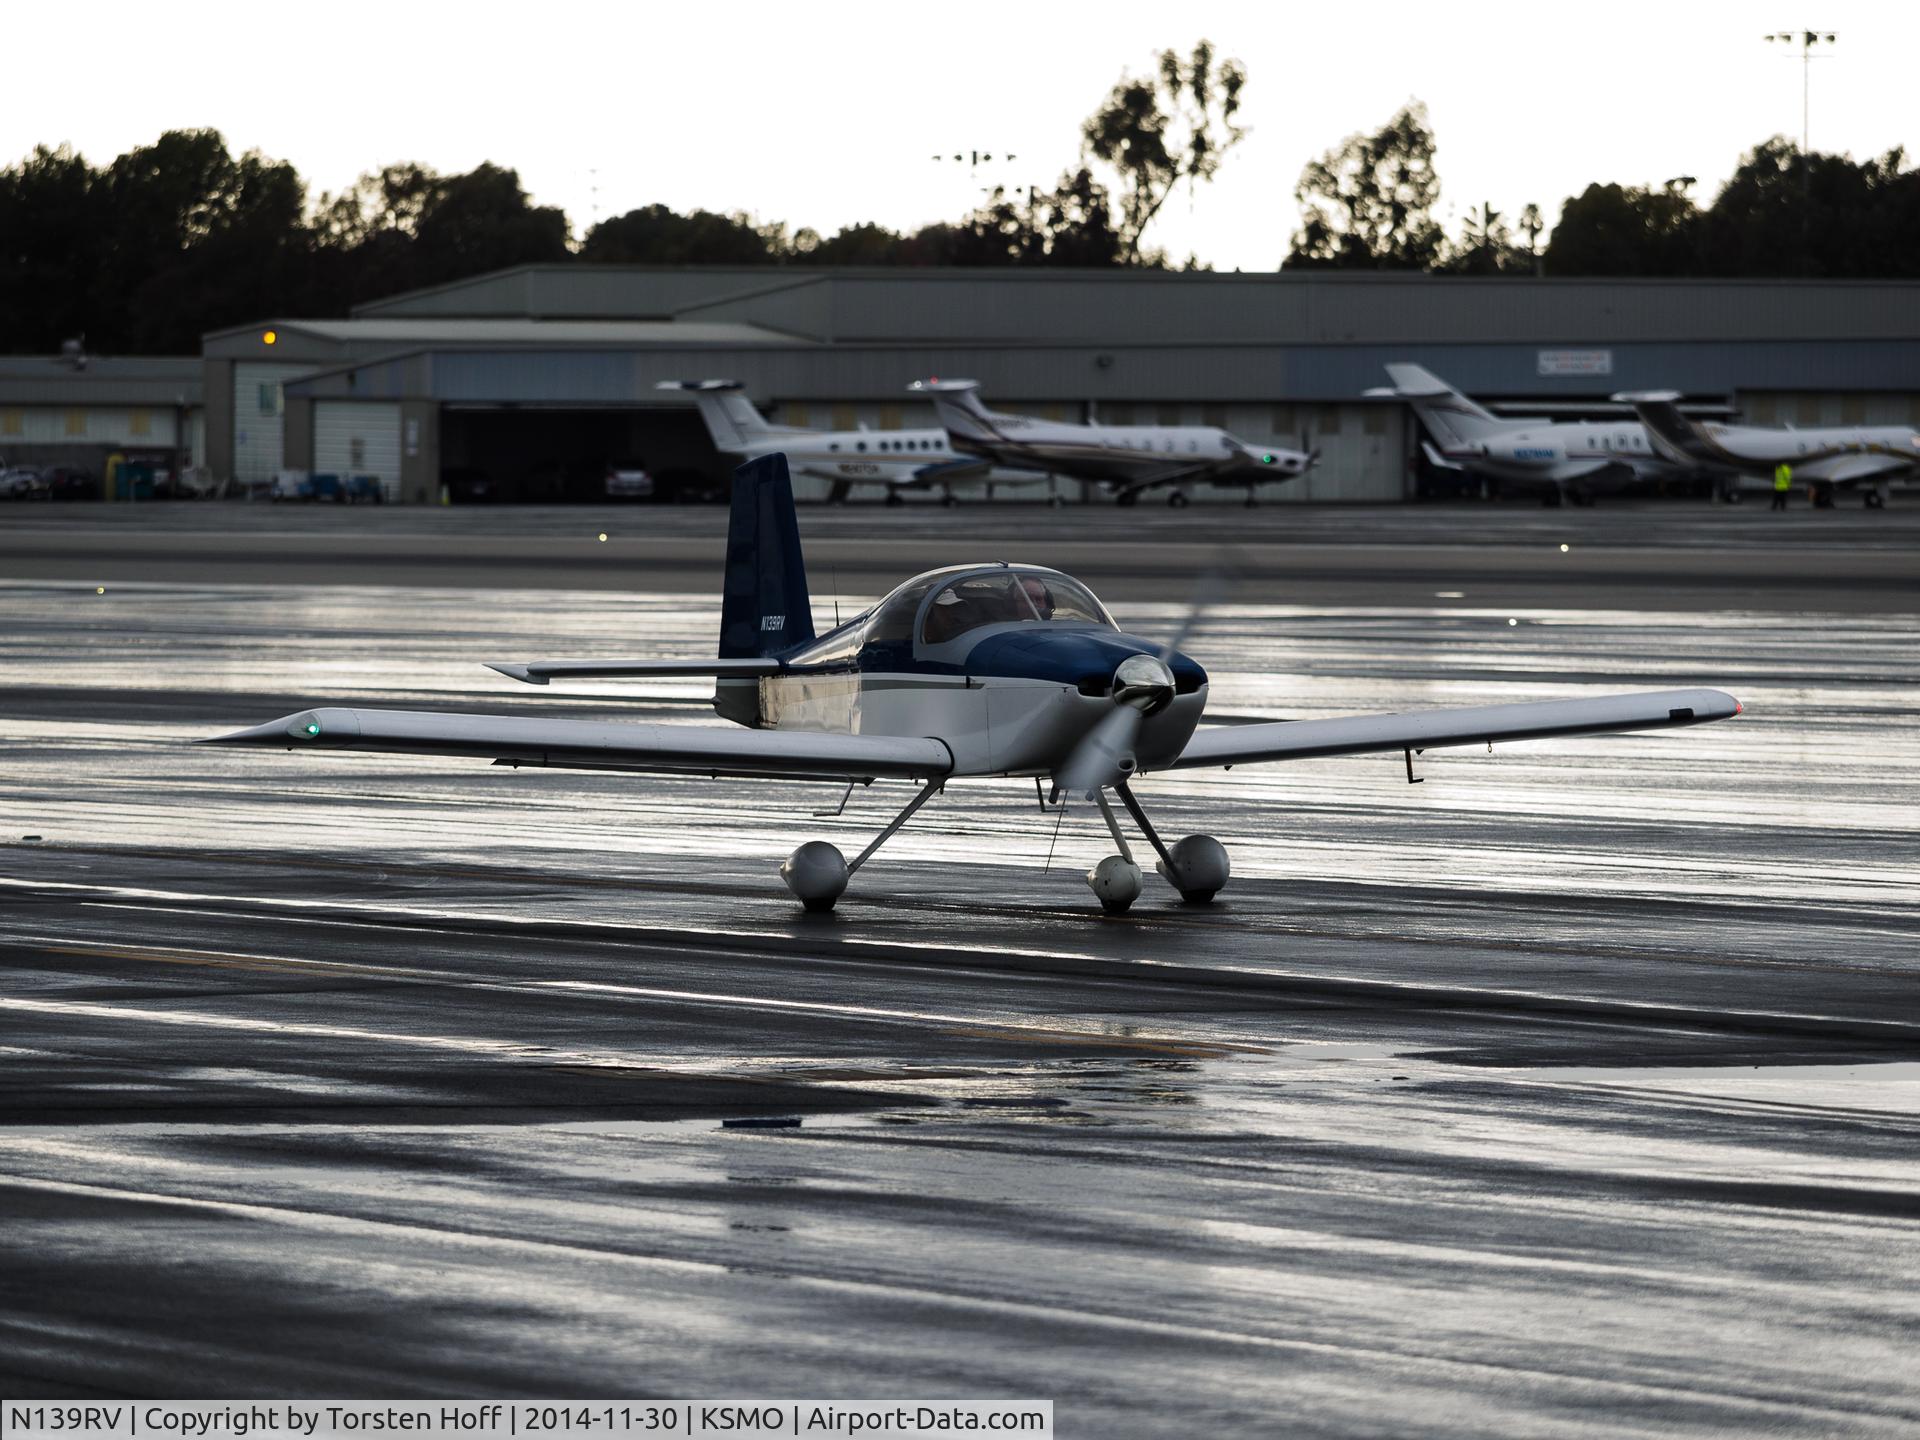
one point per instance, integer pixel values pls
(1660, 413)
(733, 421)
(765, 608)
(1450, 417)
(958, 406)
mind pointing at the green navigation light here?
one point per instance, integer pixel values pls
(1266, 459)
(313, 727)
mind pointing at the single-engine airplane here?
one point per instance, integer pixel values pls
(984, 671)
(1128, 459)
(1868, 456)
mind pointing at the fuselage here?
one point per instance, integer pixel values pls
(1127, 454)
(898, 458)
(1009, 665)
(1569, 451)
(1755, 450)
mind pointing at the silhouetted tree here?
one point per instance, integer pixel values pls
(1486, 247)
(55, 223)
(1626, 230)
(1159, 130)
(1367, 204)
(656, 235)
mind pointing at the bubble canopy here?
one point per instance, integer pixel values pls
(964, 598)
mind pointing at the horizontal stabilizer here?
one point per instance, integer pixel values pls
(597, 745)
(1434, 729)
(539, 672)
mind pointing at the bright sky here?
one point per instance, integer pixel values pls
(827, 115)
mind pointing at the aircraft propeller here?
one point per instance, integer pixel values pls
(1143, 685)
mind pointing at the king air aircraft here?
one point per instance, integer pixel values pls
(1563, 460)
(975, 672)
(1867, 456)
(898, 460)
(1128, 459)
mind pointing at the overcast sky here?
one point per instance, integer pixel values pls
(826, 115)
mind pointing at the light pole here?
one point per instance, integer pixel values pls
(1808, 39)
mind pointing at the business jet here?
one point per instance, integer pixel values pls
(1128, 459)
(1573, 460)
(987, 671)
(897, 460)
(1829, 457)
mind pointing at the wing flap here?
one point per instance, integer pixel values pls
(598, 745)
(539, 672)
(1435, 729)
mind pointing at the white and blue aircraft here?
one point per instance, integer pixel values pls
(896, 460)
(973, 672)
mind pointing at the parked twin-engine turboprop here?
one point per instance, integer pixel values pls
(895, 460)
(981, 671)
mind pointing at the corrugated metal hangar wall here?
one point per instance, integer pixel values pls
(549, 371)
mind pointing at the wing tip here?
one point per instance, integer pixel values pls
(523, 673)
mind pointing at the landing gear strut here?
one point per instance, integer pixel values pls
(817, 873)
(1197, 866)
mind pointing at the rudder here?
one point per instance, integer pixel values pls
(765, 607)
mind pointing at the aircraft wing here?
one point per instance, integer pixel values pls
(1161, 475)
(539, 672)
(598, 745)
(1434, 729)
(972, 467)
(1847, 469)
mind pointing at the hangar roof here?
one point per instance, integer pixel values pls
(158, 380)
(1119, 307)
(363, 336)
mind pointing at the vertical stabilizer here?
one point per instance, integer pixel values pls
(1454, 421)
(765, 608)
(957, 405)
(733, 421)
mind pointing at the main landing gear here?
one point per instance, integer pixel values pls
(1196, 866)
(817, 873)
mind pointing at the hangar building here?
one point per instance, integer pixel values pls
(65, 411)
(541, 376)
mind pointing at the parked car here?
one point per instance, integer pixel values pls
(64, 482)
(364, 490)
(23, 482)
(628, 480)
(468, 485)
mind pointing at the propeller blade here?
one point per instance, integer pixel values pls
(1095, 761)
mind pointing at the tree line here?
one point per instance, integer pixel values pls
(173, 239)
(1368, 204)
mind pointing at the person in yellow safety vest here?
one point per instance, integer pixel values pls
(1782, 483)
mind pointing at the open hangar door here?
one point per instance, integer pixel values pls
(561, 456)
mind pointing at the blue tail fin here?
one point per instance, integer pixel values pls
(765, 608)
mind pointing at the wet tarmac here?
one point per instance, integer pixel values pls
(1571, 1091)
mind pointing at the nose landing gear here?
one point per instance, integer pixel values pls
(1197, 866)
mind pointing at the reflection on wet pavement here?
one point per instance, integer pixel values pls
(1570, 1092)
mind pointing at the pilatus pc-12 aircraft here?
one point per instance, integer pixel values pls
(1869, 456)
(1128, 459)
(985, 671)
